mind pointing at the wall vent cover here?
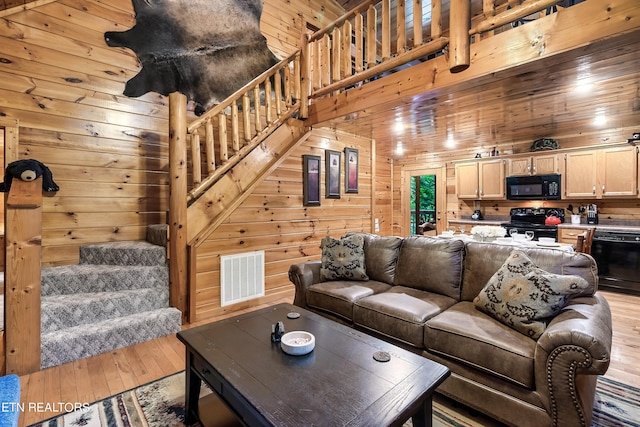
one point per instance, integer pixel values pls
(241, 277)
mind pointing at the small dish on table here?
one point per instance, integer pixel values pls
(297, 343)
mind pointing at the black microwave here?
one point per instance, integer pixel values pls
(535, 187)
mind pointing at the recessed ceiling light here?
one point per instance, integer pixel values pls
(600, 119)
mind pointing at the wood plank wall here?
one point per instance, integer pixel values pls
(274, 219)
(107, 152)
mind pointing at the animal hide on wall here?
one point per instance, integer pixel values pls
(205, 49)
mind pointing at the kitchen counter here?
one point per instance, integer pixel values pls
(472, 222)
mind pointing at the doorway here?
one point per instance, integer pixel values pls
(424, 200)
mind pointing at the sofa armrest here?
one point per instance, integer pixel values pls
(303, 275)
(573, 350)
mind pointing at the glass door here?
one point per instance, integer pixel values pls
(422, 203)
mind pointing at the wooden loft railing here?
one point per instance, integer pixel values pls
(360, 45)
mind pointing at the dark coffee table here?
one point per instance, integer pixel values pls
(338, 384)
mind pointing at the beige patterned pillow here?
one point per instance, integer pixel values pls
(343, 259)
(523, 296)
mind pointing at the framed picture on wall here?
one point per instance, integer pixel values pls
(311, 180)
(351, 170)
(332, 172)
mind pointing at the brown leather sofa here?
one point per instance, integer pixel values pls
(420, 296)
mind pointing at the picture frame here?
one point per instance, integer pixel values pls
(311, 168)
(332, 172)
(351, 170)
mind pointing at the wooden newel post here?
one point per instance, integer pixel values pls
(459, 42)
(23, 220)
(178, 202)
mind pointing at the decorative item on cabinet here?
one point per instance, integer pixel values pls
(635, 138)
(544, 144)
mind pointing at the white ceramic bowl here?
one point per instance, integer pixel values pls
(546, 240)
(297, 343)
(520, 237)
(447, 234)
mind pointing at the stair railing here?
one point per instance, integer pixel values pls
(242, 121)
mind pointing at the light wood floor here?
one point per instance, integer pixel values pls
(95, 378)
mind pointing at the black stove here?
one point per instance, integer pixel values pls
(523, 219)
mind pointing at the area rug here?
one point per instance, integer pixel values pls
(161, 404)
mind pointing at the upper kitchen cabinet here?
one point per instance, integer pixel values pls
(579, 178)
(618, 172)
(540, 164)
(467, 180)
(604, 173)
(483, 179)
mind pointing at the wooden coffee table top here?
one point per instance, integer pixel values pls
(338, 383)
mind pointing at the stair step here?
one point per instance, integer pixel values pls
(73, 279)
(123, 253)
(82, 341)
(157, 234)
(66, 311)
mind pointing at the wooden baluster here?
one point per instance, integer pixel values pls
(386, 29)
(298, 81)
(417, 22)
(195, 158)
(336, 58)
(346, 69)
(326, 60)
(401, 43)
(235, 127)
(277, 77)
(246, 115)
(268, 102)
(210, 147)
(256, 108)
(359, 24)
(316, 48)
(489, 11)
(436, 19)
(459, 44)
(372, 16)
(222, 138)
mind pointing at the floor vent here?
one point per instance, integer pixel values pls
(241, 277)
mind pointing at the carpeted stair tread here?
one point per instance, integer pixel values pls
(157, 234)
(123, 253)
(66, 311)
(82, 341)
(71, 279)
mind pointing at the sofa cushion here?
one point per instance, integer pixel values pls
(400, 312)
(338, 296)
(343, 258)
(431, 264)
(381, 257)
(523, 296)
(471, 337)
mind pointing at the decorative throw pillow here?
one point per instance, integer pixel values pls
(343, 259)
(523, 296)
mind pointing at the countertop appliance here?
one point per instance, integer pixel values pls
(535, 187)
(617, 253)
(523, 219)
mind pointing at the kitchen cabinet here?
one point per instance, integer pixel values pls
(618, 172)
(483, 179)
(467, 180)
(579, 179)
(569, 235)
(539, 164)
(600, 174)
